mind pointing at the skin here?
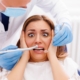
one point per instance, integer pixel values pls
(40, 40)
(14, 3)
(40, 35)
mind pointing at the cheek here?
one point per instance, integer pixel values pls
(47, 42)
(29, 41)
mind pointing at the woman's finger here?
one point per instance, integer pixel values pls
(22, 40)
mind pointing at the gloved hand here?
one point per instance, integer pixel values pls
(9, 59)
(63, 35)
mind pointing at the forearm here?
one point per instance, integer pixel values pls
(18, 71)
(57, 70)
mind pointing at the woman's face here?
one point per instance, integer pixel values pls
(38, 33)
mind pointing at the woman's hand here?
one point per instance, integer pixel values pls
(52, 49)
(57, 69)
(19, 68)
(22, 40)
(23, 45)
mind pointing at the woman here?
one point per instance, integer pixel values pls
(22, 8)
(46, 62)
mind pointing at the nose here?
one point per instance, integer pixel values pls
(38, 39)
(2, 8)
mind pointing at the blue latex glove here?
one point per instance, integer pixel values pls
(63, 35)
(8, 60)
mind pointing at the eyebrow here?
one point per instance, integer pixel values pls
(34, 30)
(31, 30)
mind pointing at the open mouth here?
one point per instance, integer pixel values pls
(39, 50)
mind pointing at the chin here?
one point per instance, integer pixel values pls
(38, 59)
(35, 57)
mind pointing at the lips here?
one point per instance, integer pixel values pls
(38, 50)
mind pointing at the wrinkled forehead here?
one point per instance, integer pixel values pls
(38, 25)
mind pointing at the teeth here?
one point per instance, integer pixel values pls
(39, 48)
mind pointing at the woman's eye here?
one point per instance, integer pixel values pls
(45, 34)
(31, 35)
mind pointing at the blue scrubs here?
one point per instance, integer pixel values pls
(5, 21)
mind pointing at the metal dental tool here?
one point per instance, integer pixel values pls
(19, 49)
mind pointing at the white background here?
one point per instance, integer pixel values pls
(73, 6)
(74, 47)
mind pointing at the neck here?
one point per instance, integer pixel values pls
(36, 60)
